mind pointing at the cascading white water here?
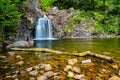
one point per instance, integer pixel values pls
(44, 29)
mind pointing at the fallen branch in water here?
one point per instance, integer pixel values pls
(100, 56)
(37, 50)
(60, 52)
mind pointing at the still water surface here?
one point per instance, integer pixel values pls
(110, 47)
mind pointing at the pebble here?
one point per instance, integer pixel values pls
(5, 61)
(86, 61)
(80, 77)
(48, 67)
(119, 72)
(105, 71)
(42, 71)
(56, 78)
(23, 72)
(114, 78)
(57, 74)
(15, 72)
(72, 61)
(49, 74)
(70, 74)
(114, 66)
(68, 67)
(33, 73)
(11, 53)
(42, 65)
(36, 67)
(42, 77)
(76, 69)
(29, 69)
(14, 76)
(2, 57)
(12, 66)
(20, 63)
(16, 79)
(19, 57)
(32, 78)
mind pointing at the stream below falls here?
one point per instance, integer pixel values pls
(26, 65)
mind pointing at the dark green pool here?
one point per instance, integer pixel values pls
(110, 47)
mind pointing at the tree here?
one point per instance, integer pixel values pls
(9, 17)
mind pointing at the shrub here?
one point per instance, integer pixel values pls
(46, 4)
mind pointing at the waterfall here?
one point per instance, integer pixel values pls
(44, 29)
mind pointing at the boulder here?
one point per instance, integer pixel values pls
(21, 44)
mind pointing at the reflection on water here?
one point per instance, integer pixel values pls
(69, 45)
(111, 46)
(43, 43)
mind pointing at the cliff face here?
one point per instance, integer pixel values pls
(61, 22)
(27, 25)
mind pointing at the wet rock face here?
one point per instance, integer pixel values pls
(27, 25)
(58, 18)
(61, 20)
(82, 30)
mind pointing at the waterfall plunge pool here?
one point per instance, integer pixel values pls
(20, 61)
(110, 47)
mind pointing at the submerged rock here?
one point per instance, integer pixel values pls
(70, 74)
(114, 66)
(32, 78)
(20, 63)
(36, 67)
(80, 77)
(19, 57)
(42, 77)
(15, 72)
(49, 74)
(11, 53)
(48, 67)
(33, 73)
(114, 78)
(76, 69)
(42, 65)
(86, 61)
(68, 67)
(72, 61)
(2, 57)
(29, 69)
(119, 72)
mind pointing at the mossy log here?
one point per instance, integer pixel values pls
(60, 52)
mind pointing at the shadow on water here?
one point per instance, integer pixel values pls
(43, 43)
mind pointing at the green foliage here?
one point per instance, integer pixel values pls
(9, 17)
(105, 14)
(46, 4)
